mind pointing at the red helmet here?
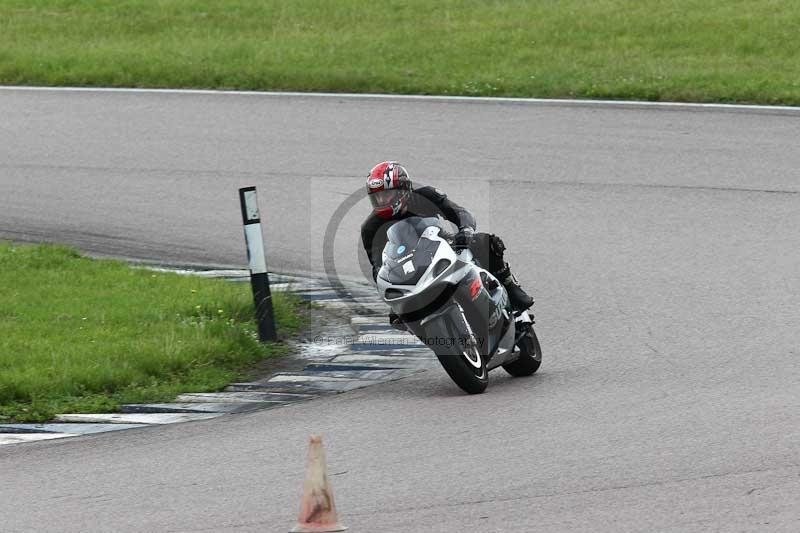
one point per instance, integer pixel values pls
(389, 189)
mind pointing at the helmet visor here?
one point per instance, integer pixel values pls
(384, 198)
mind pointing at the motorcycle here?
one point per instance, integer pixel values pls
(458, 309)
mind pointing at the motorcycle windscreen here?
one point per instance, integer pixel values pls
(406, 256)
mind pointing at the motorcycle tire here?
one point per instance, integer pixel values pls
(467, 369)
(530, 357)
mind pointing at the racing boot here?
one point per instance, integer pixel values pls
(396, 323)
(520, 300)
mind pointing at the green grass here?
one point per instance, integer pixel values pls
(85, 335)
(699, 50)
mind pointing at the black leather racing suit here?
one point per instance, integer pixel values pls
(430, 202)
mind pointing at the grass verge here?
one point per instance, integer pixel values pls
(697, 50)
(86, 335)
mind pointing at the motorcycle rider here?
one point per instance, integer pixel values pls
(393, 198)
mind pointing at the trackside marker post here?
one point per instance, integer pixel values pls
(259, 278)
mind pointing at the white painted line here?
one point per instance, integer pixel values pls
(18, 438)
(374, 319)
(282, 378)
(77, 429)
(177, 407)
(136, 418)
(568, 102)
(221, 273)
(202, 273)
(240, 397)
(386, 359)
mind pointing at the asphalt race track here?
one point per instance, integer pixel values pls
(663, 247)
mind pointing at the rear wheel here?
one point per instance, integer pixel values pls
(530, 355)
(466, 367)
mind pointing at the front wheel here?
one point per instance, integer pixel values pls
(530, 355)
(467, 368)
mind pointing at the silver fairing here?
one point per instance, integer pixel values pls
(431, 305)
(414, 296)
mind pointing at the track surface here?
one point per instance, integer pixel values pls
(663, 248)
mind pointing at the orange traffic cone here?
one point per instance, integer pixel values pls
(317, 510)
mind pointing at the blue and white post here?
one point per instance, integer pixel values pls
(259, 278)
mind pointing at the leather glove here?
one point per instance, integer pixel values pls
(463, 238)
